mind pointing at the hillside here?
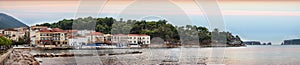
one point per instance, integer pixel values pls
(7, 21)
(189, 34)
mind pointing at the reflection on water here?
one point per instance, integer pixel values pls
(257, 55)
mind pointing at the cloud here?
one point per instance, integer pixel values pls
(262, 13)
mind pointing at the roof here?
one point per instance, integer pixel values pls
(10, 30)
(72, 30)
(40, 27)
(107, 35)
(52, 30)
(45, 30)
(120, 35)
(97, 33)
(57, 30)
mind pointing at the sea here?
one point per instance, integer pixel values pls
(249, 55)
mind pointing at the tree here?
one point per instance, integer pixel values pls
(5, 42)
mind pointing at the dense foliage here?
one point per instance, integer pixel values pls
(4, 44)
(174, 34)
(5, 41)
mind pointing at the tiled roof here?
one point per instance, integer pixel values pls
(57, 30)
(97, 33)
(10, 30)
(72, 30)
(52, 30)
(120, 35)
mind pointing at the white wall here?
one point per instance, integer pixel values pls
(77, 41)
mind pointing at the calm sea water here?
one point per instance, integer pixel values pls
(250, 55)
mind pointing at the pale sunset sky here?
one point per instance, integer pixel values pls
(260, 20)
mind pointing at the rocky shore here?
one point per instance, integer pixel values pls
(21, 57)
(72, 54)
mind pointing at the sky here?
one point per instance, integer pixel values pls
(259, 20)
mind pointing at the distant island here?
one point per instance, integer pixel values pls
(256, 43)
(291, 42)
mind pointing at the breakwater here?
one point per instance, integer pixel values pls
(73, 54)
(21, 57)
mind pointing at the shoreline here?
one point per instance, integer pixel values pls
(97, 48)
(19, 56)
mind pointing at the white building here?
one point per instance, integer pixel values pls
(131, 38)
(1, 31)
(135, 38)
(33, 33)
(95, 37)
(120, 38)
(84, 32)
(77, 41)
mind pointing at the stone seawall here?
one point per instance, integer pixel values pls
(21, 57)
(5, 56)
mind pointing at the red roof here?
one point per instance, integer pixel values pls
(45, 30)
(97, 33)
(10, 29)
(53, 30)
(120, 35)
(72, 30)
(57, 30)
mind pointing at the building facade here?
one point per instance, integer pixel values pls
(33, 33)
(1, 31)
(51, 37)
(95, 37)
(131, 38)
(15, 33)
(77, 41)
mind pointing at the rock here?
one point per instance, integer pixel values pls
(19, 57)
(35, 63)
(26, 62)
(15, 63)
